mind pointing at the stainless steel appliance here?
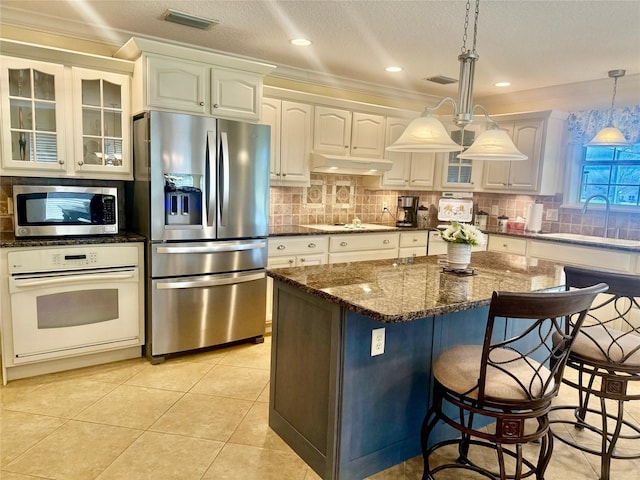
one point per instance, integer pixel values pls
(64, 210)
(201, 197)
(73, 300)
(407, 213)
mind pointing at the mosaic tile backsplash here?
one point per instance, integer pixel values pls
(338, 199)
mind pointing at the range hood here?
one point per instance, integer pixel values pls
(343, 165)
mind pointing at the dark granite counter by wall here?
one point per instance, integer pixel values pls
(392, 291)
(8, 240)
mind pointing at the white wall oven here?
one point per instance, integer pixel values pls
(73, 300)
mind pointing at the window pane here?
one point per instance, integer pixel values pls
(112, 96)
(44, 86)
(594, 174)
(20, 82)
(45, 117)
(91, 92)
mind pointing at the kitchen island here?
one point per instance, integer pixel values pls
(347, 413)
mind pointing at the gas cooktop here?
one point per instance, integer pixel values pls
(349, 227)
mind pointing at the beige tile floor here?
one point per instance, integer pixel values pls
(200, 417)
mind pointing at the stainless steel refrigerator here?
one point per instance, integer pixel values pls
(200, 196)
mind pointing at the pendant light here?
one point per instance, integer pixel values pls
(610, 136)
(427, 134)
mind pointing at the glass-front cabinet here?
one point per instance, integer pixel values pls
(32, 108)
(63, 121)
(102, 116)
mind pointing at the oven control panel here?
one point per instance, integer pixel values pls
(74, 257)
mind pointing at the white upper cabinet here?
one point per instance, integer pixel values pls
(59, 120)
(453, 173)
(410, 171)
(192, 80)
(33, 117)
(177, 85)
(539, 135)
(290, 140)
(103, 117)
(345, 133)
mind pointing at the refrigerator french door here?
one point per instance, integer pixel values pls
(201, 197)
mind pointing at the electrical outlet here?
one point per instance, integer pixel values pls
(377, 341)
(494, 210)
(385, 205)
(552, 214)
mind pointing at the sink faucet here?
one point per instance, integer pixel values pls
(606, 210)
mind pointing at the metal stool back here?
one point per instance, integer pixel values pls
(605, 359)
(510, 380)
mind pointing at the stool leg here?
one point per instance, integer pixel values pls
(430, 420)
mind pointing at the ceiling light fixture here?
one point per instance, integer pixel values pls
(428, 134)
(502, 84)
(610, 136)
(393, 69)
(188, 20)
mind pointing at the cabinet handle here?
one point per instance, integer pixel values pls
(415, 240)
(202, 104)
(80, 162)
(504, 245)
(290, 260)
(312, 245)
(504, 184)
(281, 247)
(61, 162)
(215, 105)
(343, 244)
(302, 260)
(284, 174)
(347, 146)
(385, 241)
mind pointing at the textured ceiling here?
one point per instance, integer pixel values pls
(533, 44)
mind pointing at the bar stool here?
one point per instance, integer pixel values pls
(606, 357)
(508, 381)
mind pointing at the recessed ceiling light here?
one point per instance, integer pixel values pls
(502, 84)
(393, 69)
(301, 42)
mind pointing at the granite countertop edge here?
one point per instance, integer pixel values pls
(8, 240)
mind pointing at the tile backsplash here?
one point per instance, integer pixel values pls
(340, 198)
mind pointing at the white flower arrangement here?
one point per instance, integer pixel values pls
(463, 233)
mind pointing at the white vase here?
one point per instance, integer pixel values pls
(458, 255)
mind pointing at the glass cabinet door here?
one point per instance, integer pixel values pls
(102, 114)
(32, 108)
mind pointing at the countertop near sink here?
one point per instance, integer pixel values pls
(8, 240)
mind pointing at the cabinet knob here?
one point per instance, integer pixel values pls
(80, 162)
(215, 105)
(385, 242)
(312, 245)
(202, 104)
(291, 260)
(281, 247)
(61, 162)
(347, 146)
(504, 245)
(343, 244)
(415, 240)
(302, 260)
(284, 174)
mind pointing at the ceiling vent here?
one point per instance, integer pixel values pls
(188, 20)
(441, 79)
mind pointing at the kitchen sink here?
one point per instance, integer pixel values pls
(349, 227)
(591, 239)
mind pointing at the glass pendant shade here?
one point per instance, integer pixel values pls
(494, 144)
(608, 137)
(425, 134)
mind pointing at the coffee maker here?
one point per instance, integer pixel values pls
(407, 214)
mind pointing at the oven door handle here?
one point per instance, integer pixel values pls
(213, 248)
(247, 277)
(67, 279)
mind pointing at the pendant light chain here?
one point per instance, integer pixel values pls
(475, 27)
(613, 99)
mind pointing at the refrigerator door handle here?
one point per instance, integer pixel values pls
(224, 179)
(215, 282)
(210, 170)
(213, 248)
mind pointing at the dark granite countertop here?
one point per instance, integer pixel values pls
(8, 240)
(610, 243)
(391, 291)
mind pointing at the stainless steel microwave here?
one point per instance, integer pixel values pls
(64, 210)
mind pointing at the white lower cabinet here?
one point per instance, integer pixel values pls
(413, 244)
(506, 244)
(364, 246)
(572, 254)
(298, 251)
